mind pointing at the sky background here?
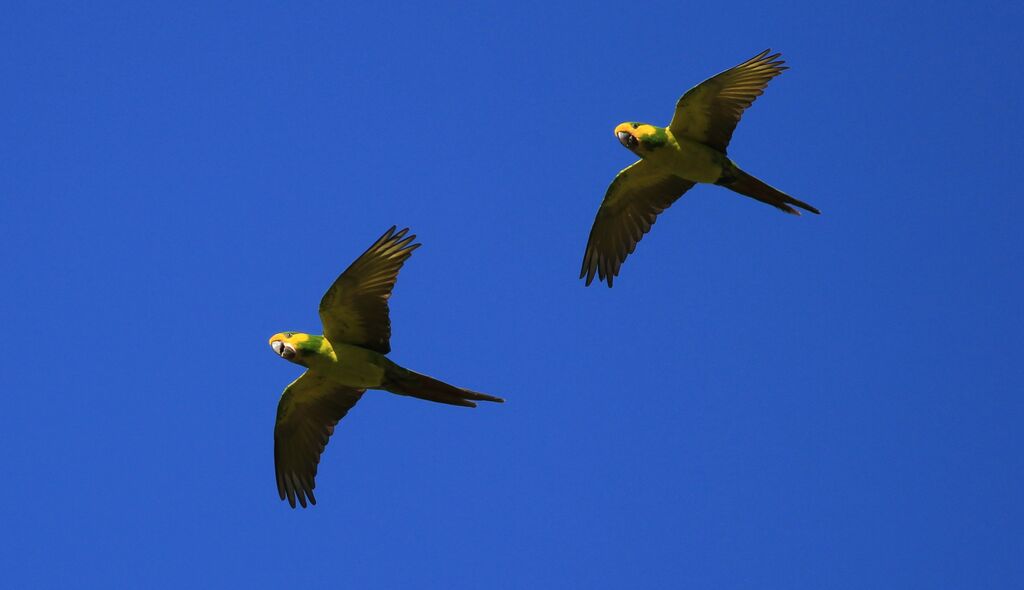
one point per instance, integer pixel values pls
(762, 401)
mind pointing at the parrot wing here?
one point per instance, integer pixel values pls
(355, 309)
(631, 205)
(306, 415)
(708, 112)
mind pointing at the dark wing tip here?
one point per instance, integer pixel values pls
(397, 243)
(774, 60)
(386, 235)
(392, 235)
(294, 489)
(596, 265)
(588, 269)
(592, 270)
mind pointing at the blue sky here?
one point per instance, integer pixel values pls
(762, 401)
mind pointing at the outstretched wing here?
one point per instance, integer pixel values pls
(709, 111)
(306, 415)
(355, 309)
(630, 207)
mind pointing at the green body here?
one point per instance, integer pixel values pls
(685, 158)
(343, 364)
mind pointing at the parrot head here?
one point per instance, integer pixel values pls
(296, 347)
(641, 138)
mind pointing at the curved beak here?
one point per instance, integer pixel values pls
(627, 139)
(285, 351)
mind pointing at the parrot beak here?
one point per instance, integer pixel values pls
(283, 350)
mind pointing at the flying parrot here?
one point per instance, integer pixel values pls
(344, 362)
(673, 159)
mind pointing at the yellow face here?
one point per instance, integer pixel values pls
(631, 134)
(286, 344)
(624, 132)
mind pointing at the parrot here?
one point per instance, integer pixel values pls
(349, 358)
(691, 149)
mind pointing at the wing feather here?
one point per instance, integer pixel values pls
(355, 309)
(629, 209)
(709, 111)
(306, 415)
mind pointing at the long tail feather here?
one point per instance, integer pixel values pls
(749, 186)
(411, 383)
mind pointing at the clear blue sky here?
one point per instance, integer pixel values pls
(762, 401)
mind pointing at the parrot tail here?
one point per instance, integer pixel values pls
(747, 185)
(406, 382)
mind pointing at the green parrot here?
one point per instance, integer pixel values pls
(343, 363)
(674, 158)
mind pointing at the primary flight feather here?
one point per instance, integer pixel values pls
(690, 150)
(343, 363)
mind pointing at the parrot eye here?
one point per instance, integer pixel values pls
(627, 140)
